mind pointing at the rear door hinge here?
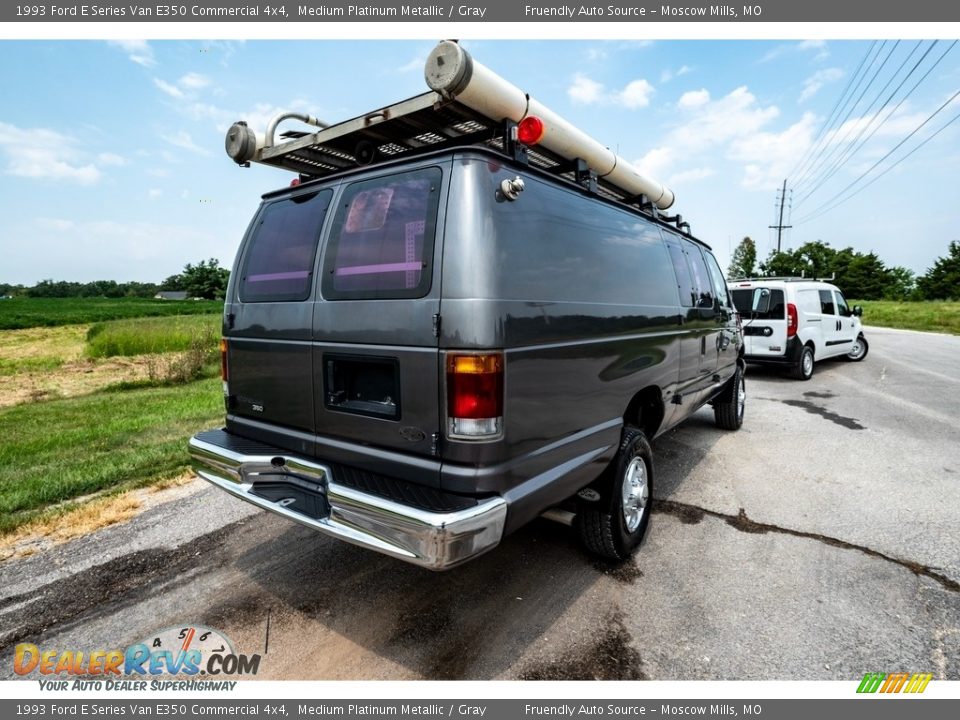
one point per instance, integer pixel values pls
(436, 325)
(435, 444)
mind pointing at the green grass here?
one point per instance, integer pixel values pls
(152, 335)
(13, 366)
(47, 312)
(58, 450)
(932, 316)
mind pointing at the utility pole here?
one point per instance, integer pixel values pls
(780, 227)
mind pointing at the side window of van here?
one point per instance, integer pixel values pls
(279, 260)
(688, 293)
(842, 308)
(381, 242)
(826, 303)
(719, 284)
(701, 276)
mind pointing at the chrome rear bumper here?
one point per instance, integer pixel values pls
(435, 540)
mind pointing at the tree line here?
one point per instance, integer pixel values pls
(863, 276)
(205, 280)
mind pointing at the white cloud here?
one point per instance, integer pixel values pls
(818, 48)
(41, 153)
(668, 74)
(183, 140)
(769, 156)
(194, 81)
(636, 94)
(138, 51)
(586, 91)
(415, 64)
(54, 224)
(171, 90)
(109, 158)
(694, 99)
(731, 127)
(812, 85)
(154, 193)
(689, 176)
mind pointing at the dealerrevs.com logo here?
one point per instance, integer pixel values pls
(190, 651)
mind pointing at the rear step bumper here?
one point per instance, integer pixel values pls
(308, 493)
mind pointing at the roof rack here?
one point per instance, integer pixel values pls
(440, 119)
(784, 278)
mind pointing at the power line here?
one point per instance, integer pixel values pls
(826, 170)
(852, 151)
(836, 105)
(820, 162)
(840, 200)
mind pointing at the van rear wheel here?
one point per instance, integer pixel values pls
(803, 370)
(614, 526)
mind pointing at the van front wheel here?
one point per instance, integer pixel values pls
(616, 527)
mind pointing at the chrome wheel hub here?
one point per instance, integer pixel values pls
(741, 397)
(807, 363)
(636, 493)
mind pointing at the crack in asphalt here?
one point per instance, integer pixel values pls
(692, 514)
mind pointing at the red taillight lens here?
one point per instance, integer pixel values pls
(530, 130)
(223, 360)
(791, 320)
(475, 395)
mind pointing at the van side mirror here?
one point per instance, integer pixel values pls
(857, 310)
(761, 301)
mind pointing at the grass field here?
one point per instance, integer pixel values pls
(141, 336)
(47, 312)
(58, 450)
(932, 316)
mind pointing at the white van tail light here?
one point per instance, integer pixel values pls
(474, 396)
(791, 320)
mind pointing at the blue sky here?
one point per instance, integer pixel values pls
(112, 162)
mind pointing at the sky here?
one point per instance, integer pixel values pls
(112, 163)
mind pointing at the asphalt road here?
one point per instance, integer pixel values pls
(819, 542)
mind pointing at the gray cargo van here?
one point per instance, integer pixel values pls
(422, 354)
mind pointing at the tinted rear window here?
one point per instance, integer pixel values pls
(743, 299)
(381, 243)
(279, 261)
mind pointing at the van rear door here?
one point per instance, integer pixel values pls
(268, 322)
(374, 331)
(764, 333)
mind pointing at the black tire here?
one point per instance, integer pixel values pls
(729, 406)
(607, 528)
(803, 370)
(860, 349)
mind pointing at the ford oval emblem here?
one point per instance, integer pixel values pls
(412, 434)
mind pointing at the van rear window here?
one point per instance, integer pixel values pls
(743, 299)
(279, 260)
(381, 244)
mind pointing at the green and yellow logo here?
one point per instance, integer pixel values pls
(894, 682)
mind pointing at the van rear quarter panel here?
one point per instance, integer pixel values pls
(548, 279)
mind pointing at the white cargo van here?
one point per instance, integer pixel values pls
(794, 322)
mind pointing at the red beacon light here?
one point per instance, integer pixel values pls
(531, 130)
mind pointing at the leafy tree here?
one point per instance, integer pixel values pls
(902, 285)
(206, 279)
(743, 264)
(942, 281)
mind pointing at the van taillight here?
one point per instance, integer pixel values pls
(224, 375)
(791, 320)
(474, 396)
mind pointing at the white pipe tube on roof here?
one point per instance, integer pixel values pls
(452, 72)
